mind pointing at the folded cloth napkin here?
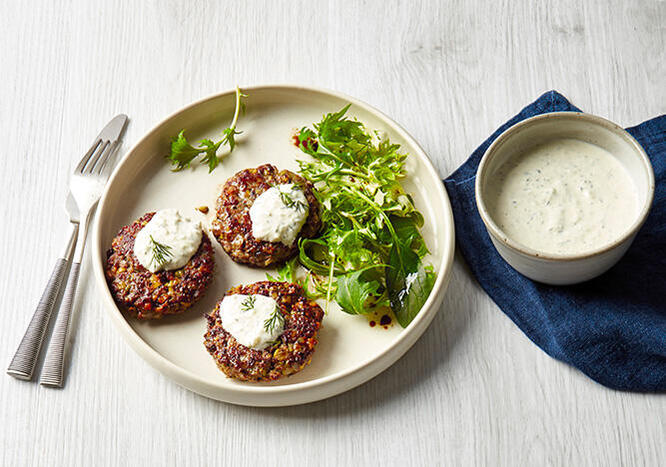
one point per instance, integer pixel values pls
(612, 328)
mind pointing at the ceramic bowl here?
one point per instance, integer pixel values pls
(562, 269)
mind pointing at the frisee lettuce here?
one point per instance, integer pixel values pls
(289, 272)
(183, 153)
(369, 253)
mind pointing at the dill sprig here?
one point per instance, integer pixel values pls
(248, 303)
(274, 320)
(161, 253)
(290, 202)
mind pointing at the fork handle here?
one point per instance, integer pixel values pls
(23, 364)
(54, 363)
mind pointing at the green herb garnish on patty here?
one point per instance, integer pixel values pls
(274, 320)
(288, 201)
(248, 303)
(161, 253)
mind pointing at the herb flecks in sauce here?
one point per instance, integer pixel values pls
(289, 202)
(563, 197)
(167, 241)
(279, 213)
(253, 320)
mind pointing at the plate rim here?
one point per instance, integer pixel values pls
(372, 365)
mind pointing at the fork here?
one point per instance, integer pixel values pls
(22, 365)
(85, 189)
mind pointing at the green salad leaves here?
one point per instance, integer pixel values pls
(369, 254)
(183, 153)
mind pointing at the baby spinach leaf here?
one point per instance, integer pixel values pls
(408, 282)
(353, 291)
(407, 229)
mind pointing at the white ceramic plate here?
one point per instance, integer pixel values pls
(350, 352)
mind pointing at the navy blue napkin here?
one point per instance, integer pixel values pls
(612, 328)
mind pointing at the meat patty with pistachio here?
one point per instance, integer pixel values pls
(159, 265)
(263, 331)
(261, 214)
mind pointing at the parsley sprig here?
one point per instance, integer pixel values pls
(183, 153)
(161, 253)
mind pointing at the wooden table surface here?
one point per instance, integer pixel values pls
(474, 389)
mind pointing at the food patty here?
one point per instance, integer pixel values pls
(233, 226)
(289, 354)
(148, 295)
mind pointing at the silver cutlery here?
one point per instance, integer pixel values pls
(22, 365)
(86, 187)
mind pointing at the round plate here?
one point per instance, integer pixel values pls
(349, 352)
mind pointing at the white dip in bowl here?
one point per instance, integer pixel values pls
(565, 196)
(562, 195)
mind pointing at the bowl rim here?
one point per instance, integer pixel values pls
(243, 393)
(548, 118)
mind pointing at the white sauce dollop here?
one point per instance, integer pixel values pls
(565, 197)
(168, 227)
(278, 214)
(245, 318)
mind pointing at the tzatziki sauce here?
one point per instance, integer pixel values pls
(178, 235)
(278, 214)
(251, 320)
(565, 196)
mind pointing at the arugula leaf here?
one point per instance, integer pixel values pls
(183, 153)
(312, 253)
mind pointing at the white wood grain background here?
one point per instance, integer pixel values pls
(474, 390)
